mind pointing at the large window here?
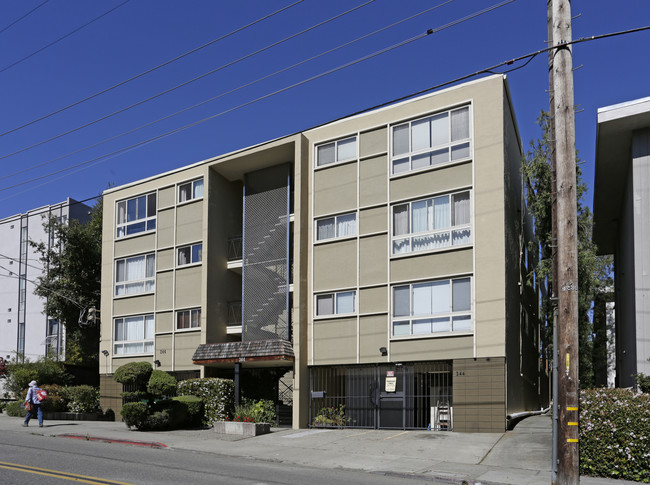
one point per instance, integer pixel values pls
(336, 151)
(434, 223)
(432, 307)
(135, 275)
(190, 254)
(339, 303)
(337, 226)
(190, 190)
(188, 319)
(431, 141)
(133, 335)
(136, 215)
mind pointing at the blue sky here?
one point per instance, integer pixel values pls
(141, 34)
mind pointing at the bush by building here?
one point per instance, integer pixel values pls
(43, 371)
(252, 411)
(161, 384)
(615, 434)
(218, 396)
(14, 409)
(135, 376)
(82, 399)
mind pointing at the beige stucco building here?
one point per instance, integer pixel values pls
(376, 264)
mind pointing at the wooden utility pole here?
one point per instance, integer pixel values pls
(567, 251)
(553, 248)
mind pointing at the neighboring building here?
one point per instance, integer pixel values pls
(376, 264)
(24, 329)
(622, 227)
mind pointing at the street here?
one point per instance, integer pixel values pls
(25, 457)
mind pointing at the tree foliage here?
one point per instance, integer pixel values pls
(72, 282)
(43, 371)
(594, 272)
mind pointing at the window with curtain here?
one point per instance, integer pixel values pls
(336, 151)
(427, 142)
(432, 307)
(344, 225)
(190, 190)
(188, 319)
(135, 275)
(136, 215)
(191, 254)
(337, 303)
(430, 224)
(133, 335)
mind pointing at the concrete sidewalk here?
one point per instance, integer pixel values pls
(521, 457)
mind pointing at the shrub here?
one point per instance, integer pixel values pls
(218, 396)
(56, 398)
(642, 382)
(43, 371)
(157, 421)
(262, 411)
(14, 409)
(331, 416)
(82, 399)
(615, 434)
(161, 384)
(134, 375)
(135, 414)
(194, 406)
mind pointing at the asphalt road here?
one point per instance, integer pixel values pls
(27, 459)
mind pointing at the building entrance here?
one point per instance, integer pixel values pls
(382, 396)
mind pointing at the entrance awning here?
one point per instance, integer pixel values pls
(254, 353)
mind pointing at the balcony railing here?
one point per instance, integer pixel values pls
(234, 248)
(234, 313)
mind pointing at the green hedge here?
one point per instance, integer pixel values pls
(218, 396)
(161, 384)
(194, 409)
(82, 399)
(615, 434)
(14, 409)
(134, 414)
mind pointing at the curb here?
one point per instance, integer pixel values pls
(149, 444)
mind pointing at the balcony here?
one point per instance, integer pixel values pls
(234, 323)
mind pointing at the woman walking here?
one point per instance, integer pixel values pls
(33, 405)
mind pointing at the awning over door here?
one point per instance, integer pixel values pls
(254, 353)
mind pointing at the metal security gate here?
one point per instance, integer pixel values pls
(386, 396)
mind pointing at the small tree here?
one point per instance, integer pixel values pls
(135, 376)
(43, 371)
(161, 384)
(72, 281)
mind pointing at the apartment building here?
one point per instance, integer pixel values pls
(24, 329)
(375, 265)
(622, 228)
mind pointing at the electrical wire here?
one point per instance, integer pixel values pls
(132, 78)
(40, 268)
(173, 88)
(62, 37)
(3, 177)
(42, 286)
(24, 16)
(17, 217)
(300, 83)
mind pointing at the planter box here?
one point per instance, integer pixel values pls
(241, 429)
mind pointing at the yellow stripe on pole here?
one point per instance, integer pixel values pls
(572, 423)
(572, 408)
(572, 440)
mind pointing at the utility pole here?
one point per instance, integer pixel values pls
(566, 288)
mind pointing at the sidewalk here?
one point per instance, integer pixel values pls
(519, 457)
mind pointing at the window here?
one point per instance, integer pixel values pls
(335, 227)
(188, 319)
(336, 151)
(339, 303)
(190, 254)
(133, 335)
(136, 215)
(135, 275)
(190, 190)
(432, 307)
(434, 223)
(431, 141)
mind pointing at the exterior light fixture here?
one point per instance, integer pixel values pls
(384, 351)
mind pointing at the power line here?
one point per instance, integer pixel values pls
(24, 16)
(122, 83)
(173, 88)
(18, 261)
(195, 123)
(62, 37)
(224, 93)
(42, 286)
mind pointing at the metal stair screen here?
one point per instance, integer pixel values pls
(265, 288)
